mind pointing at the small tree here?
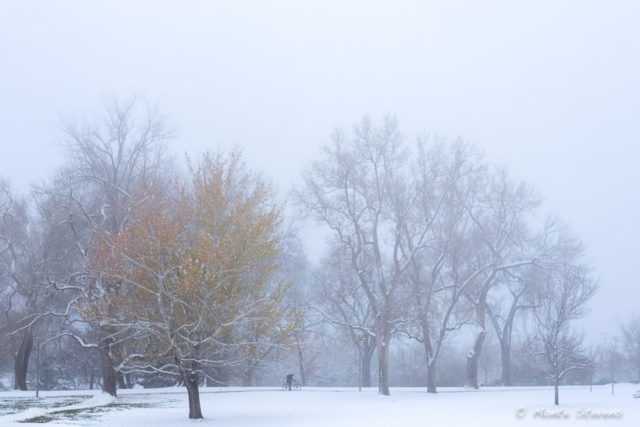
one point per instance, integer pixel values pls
(342, 302)
(610, 359)
(566, 288)
(631, 337)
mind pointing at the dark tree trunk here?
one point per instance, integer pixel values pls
(22, 360)
(366, 366)
(194, 400)
(473, 357)
(191, 382)
(472, 361)
(121, 382)
(129, 380)
(109, 374)
(556, 399)
(430, 359)
(431, 378)
(504, 336)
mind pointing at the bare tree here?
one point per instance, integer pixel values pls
(564, 292)
(33, 257)
(440, 271)
(502, 311)
(499, 213)
(110, 160)
(15, 286)
(361, 191)
(342, 302)
(631, 337)
(610, 358)
(515, 291)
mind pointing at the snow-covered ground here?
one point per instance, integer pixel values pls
(328, 407)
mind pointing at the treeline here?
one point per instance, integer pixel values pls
(126, 269)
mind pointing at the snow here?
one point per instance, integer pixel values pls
(261, 407)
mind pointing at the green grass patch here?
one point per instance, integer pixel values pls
(17, 405)
(86, 413)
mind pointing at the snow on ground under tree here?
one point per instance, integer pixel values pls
(327, 407)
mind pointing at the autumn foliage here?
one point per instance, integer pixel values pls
(193, 273)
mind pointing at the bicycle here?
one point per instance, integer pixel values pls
(295, 385)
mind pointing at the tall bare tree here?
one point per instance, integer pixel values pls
(361, 192)
(500, 213)
(342, 302)
(110, 160)
(16, 287)
(33, 257)
(440, 271)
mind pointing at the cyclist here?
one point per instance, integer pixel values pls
(289, 380)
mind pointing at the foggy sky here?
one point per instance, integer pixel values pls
(550, 88)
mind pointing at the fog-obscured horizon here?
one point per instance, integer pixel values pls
(549, 89)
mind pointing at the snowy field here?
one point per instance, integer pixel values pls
(327, 407)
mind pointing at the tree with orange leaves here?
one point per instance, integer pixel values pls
(193, 272)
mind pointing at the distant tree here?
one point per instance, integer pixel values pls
(441, 270)
(109, 162)
(342, 302)
(631, 342)
(33, 256)
(362, 192)
(564, 292)
(610, 359)
(515, 290)
(15, 285)
(500, 213)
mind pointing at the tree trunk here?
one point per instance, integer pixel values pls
(247, 376)
(121, 382)
(22, 360)
(431, 378)
(556, 399)
(382, 343)
(109, 375)
(191, 382)
(366, 366)
(473, 356)
(129, 380)
(303, 374)
(430, 359)
(505, 342)
(472, 360)
(505, 353)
